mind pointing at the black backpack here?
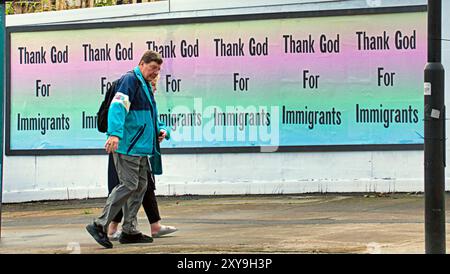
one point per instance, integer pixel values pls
(102, 114)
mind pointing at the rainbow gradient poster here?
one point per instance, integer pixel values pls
(315, 81)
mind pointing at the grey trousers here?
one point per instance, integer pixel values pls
(128, 194)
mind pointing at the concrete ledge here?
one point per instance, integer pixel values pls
(228, 188)
(82, 15)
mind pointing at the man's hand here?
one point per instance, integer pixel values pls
(112, 144)
(162, 135)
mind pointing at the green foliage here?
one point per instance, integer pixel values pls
(22, 6)
(104, 3)
(9, 9)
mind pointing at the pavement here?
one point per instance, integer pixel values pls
(313, 223)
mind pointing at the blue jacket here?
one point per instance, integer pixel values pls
(133, 117)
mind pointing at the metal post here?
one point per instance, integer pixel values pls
(2, 77)
(434, 126)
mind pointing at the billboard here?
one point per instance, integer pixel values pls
(227, 84)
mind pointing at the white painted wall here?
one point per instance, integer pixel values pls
(66, 177)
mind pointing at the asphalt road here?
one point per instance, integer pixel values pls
(332, 223)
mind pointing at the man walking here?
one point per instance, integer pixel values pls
(133, 132)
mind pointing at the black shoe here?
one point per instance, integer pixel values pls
(135, 238)
(99, 235)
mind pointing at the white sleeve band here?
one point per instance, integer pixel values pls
(122, 99)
